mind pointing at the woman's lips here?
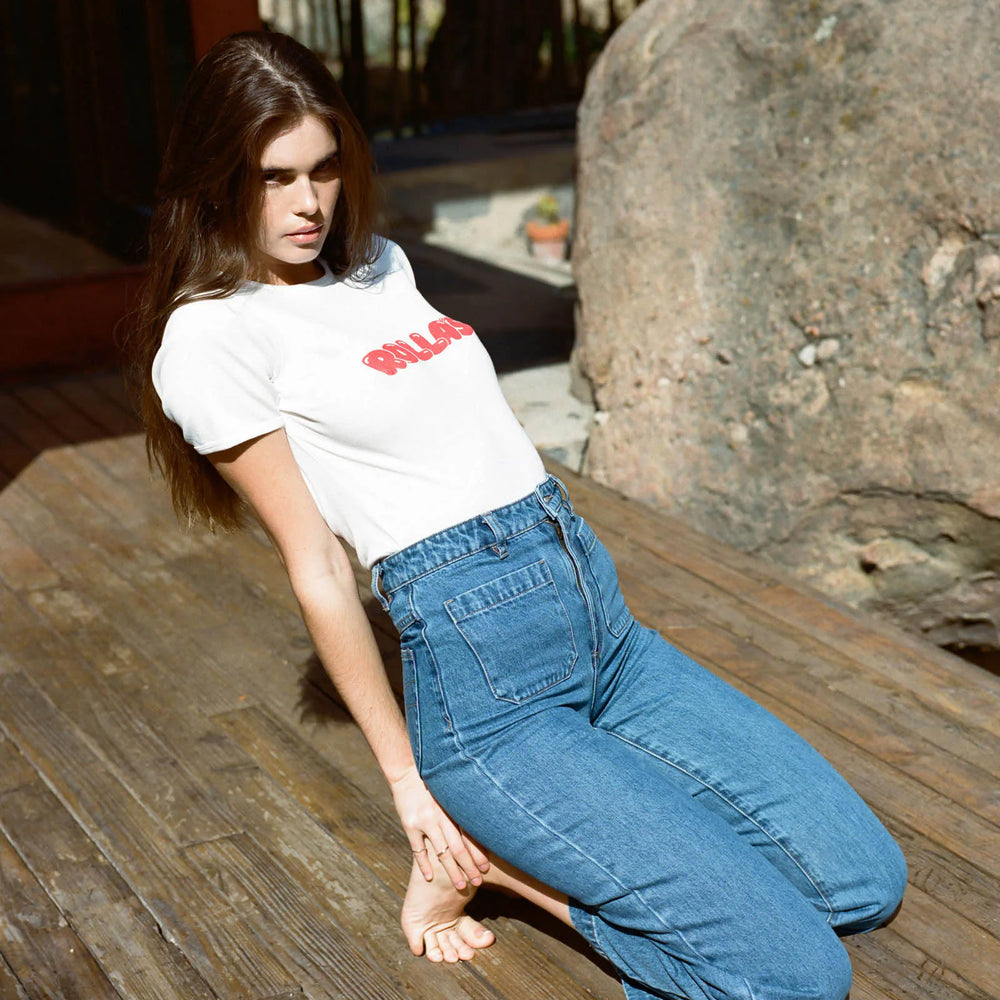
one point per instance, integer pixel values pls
(305, 235)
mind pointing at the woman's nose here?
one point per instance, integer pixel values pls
(306, 201)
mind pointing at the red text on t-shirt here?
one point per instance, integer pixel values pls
(391, 358)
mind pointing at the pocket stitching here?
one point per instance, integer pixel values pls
(572, 651)
(506, 600)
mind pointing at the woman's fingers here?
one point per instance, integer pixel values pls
(458, 850)
(479, 857)
(421, 856)
(455, 872)
(461, 857)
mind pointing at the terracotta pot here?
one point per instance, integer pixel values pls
(548, 239)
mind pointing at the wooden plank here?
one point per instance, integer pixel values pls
(110, 920)
(220, 670)
(111, 384)
(42, 952)
(14, 455)
(72, 424)
(189, 912)
(21, 567)
(93, 558)
(10, 985)
(954, 941)
(120, 504)
(78, 630)
(368, 825)
(8, 665)
(20, 632)
(250, 556)
(899, 971)
(270, 923)
(144, 760)
(101, 408)
(124, 459)
(23, 423)
(212, 578)
(272, 930)
(953, 880)
(94, 535)
(902, 658)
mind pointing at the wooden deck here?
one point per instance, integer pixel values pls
(186, 812)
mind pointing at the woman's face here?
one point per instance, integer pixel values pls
(300, 172)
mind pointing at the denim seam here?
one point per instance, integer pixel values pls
(411, 709)
(463, 555)
(731, 801)
(437, 678)
(634, 893)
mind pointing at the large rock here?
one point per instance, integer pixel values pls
(788, 258)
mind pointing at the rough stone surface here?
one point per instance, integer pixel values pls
(788, 260)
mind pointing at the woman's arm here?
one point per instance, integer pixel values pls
(264, 472)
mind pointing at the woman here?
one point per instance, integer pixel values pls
(552, 746)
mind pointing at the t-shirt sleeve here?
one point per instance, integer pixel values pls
(214, 380)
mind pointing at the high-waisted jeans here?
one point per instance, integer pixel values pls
(706, 849)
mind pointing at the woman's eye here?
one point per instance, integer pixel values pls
(330, 165)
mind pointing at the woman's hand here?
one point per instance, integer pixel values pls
(428, 828)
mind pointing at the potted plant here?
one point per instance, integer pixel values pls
(547, 232)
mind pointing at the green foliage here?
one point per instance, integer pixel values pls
(547, 208)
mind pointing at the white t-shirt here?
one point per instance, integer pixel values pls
(393, 412)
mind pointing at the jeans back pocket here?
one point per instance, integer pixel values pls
(517, 628)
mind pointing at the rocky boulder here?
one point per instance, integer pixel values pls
(788, 259)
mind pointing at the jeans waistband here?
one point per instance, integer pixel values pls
(489, 530)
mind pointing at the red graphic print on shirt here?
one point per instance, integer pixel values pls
(390, 358)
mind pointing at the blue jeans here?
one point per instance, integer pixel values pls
(706, 849)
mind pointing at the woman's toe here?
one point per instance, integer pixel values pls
(473, 933)
(447, 946)
(465, 951)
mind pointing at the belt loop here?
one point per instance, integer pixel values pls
(547, 497)
(563, 491)
(499, 546)
(377, 586)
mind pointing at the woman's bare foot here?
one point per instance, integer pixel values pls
(434, 919)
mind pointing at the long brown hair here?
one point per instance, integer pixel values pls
(248, 89)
